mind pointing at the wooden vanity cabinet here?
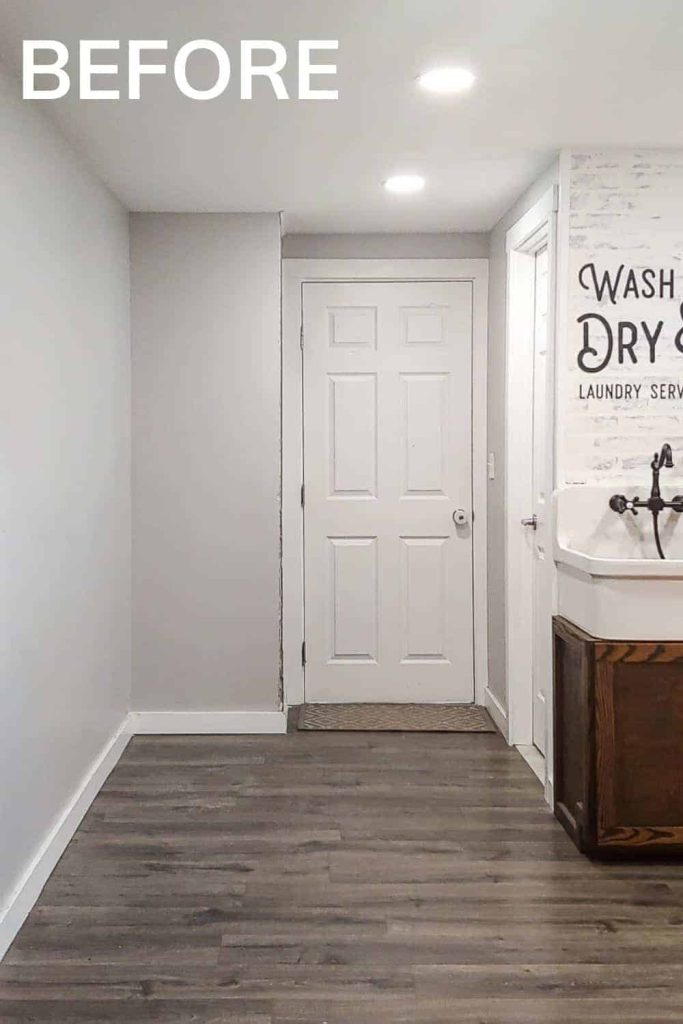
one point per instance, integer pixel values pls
(618, 743)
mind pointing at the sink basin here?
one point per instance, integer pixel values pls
(610, 580)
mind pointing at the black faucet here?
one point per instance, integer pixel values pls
(655, 503)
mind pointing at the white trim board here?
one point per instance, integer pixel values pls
(208, 723)
(227, 723)
(55, 843)
(496, 711)
(522, 231)
(296, 272)
(538, 226)
(535, 759)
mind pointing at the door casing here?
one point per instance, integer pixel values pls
(536, 229)
(295, 273)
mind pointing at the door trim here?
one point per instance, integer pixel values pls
(296, 273)
(536, 229)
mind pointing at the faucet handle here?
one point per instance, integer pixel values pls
(618, 503)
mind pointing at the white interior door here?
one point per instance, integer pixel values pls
(542, 580)
(387, 461)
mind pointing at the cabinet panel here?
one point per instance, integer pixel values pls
(640, 752)
(573, 732)
(618, 743)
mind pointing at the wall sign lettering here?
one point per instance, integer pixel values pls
(610, 341)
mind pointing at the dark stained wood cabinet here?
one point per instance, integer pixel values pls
(618, 743)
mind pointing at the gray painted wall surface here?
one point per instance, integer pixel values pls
(386, 246)
(496, 427)
(206, 437)
(64, 477)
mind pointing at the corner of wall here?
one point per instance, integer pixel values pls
(38, 871)
(497, 377)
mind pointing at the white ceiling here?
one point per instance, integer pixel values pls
(550, 73)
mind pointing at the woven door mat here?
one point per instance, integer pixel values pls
(394, 718)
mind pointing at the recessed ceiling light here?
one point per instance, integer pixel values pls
(447, 80)
(404, 184)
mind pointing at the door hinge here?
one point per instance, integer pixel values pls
(303, 495)
(301, 338)
(303, 653)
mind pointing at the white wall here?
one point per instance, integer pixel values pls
(625, 208)
(206, 441)
(497, 370)
(446, 245)
(64, 477)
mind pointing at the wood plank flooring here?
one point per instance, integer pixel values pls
(338, 878)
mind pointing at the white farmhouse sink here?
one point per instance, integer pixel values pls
(610, 580)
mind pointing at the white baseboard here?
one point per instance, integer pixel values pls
(496, 711)
(550, 791)
(225, 723)
(30, 886)
(535, 759)
(20, 903)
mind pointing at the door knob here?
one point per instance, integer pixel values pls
(532, 521)
(460, 517)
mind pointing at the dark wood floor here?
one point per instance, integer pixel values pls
(340, 878)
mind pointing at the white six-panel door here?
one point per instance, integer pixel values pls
(387, 461)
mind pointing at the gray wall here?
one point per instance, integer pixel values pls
(206, 437)
(64, 478)
(386, 246)
(496, 427)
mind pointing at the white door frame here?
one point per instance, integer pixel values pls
(297, 272)
(536, 229)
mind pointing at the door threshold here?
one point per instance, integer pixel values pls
(534, 758)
